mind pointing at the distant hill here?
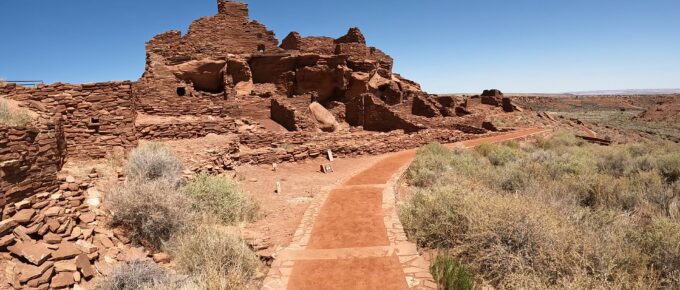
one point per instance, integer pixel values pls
(628, 92)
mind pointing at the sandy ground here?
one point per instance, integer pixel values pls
(300, 183)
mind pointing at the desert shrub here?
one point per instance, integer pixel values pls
(215, 258)
(566, 164)
(431, 219)
(498, 154)
(580, 217)
(450, 274)
(221, 197)
(614, 163)
(502, 155)
(643, 163)
(513, 178)
(543, 143)
(669, 166)
(153, 161)
(661, 242)
(151, 211)
(606, 191)
(566, 140)
(134, 275)
(639, 149)
(498, 234)
(467, 163)
(13, 117)
(430, 163)
(485, 149)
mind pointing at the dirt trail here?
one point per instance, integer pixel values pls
(355, 239)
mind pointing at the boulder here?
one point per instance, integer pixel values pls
(325, 118)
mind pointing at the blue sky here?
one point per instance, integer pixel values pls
(446, 45)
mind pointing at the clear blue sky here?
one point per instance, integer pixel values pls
(446, 45)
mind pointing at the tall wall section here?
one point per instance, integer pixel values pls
(30, 157)
(97, 117)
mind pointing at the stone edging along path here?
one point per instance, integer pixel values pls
(351, 238)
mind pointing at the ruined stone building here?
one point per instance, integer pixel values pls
(230, 75)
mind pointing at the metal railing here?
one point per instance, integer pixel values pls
(25, 83)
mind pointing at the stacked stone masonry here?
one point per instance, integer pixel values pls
(97, 117)
(30, 158)
(187, 130)
(269, 148)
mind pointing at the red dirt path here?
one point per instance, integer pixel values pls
(352, 217)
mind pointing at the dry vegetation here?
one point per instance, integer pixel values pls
(189, 220)
(558, 214)
(12, 116)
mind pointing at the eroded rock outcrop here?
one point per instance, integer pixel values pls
(227, 57)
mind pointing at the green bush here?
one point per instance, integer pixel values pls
(13, 117)
(153, 161)
(450, 274)
(221, 197)
(215, 258)
(151, 212)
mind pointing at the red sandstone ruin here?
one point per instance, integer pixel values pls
(230, 76)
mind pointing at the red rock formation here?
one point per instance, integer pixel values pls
(226, 59)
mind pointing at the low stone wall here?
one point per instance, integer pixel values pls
(351, 146)
(373, 114)
(30, 158)
(186, 130)
(290, 113)
(98, 117)
(269, 147)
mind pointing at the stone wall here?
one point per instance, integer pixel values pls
(186, 130)
(98, 117)
(270, 147)
(374, 115)
(30, 158)
(238, 35)
(292, 113)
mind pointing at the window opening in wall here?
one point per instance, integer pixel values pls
(181, 91)
(260, 48)
(94, 124)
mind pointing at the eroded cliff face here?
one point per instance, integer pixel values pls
(226, 59)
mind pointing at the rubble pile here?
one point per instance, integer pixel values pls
(57, 240)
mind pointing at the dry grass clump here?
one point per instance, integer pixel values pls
(151, 211)
(559, 214)
(214, 258)
(13, 117)
(431, 162)
(134, 275)
(220, 196)
(187, 220)
(153, 161)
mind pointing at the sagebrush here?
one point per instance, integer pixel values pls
(134, 275)
(221, 196)
(151, 212)
(215, 258)
(558, 214)
(153, 161)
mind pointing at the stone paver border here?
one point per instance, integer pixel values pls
(416, 269)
